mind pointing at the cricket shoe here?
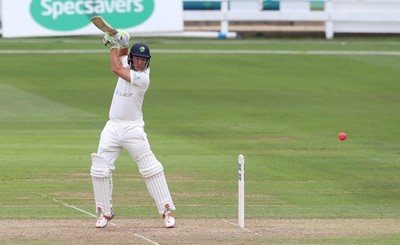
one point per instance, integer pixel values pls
(168, 217)
(102, 221)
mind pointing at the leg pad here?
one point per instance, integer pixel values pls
(102, 184)
(153, 173)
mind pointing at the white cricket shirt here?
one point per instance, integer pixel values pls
(127, 101)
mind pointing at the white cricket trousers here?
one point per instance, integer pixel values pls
(117, 135)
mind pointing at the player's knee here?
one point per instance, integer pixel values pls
(149, 166)
(100, 167)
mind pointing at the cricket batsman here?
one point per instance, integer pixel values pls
(125, 130)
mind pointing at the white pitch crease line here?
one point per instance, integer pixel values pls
(83, 211)
(67, 205)
(255, 233)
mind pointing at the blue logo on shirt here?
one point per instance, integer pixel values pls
(119, 93)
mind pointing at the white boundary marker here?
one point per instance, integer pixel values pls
(212, 51)
(83, 211)
(208, 42)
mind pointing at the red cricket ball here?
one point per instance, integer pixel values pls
(342, 136)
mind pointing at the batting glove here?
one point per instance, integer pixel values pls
(122, 38)
(110, 40)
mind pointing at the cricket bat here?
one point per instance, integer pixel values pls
(100, 23)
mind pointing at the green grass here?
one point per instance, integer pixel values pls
(283, 112)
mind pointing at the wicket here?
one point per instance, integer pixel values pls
(241, 190)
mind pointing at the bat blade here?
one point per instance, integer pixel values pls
(102, 25)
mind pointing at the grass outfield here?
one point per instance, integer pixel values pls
(282, 105)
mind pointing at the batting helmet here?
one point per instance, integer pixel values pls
(139, 50)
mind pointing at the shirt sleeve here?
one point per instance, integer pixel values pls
(124, 60)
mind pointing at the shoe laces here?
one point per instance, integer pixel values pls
(99, 210)
(167, 212)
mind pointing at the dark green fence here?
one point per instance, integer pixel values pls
(203, 5)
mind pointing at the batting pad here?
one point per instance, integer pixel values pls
(153, 172)
(102, 184)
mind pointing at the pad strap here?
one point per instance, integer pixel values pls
(100, 168)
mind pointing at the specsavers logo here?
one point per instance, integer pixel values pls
(68, 15)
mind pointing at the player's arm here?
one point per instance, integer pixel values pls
(123, 52)
(116, 64)
(119, 44)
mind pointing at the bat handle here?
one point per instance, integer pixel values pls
(113, 32)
